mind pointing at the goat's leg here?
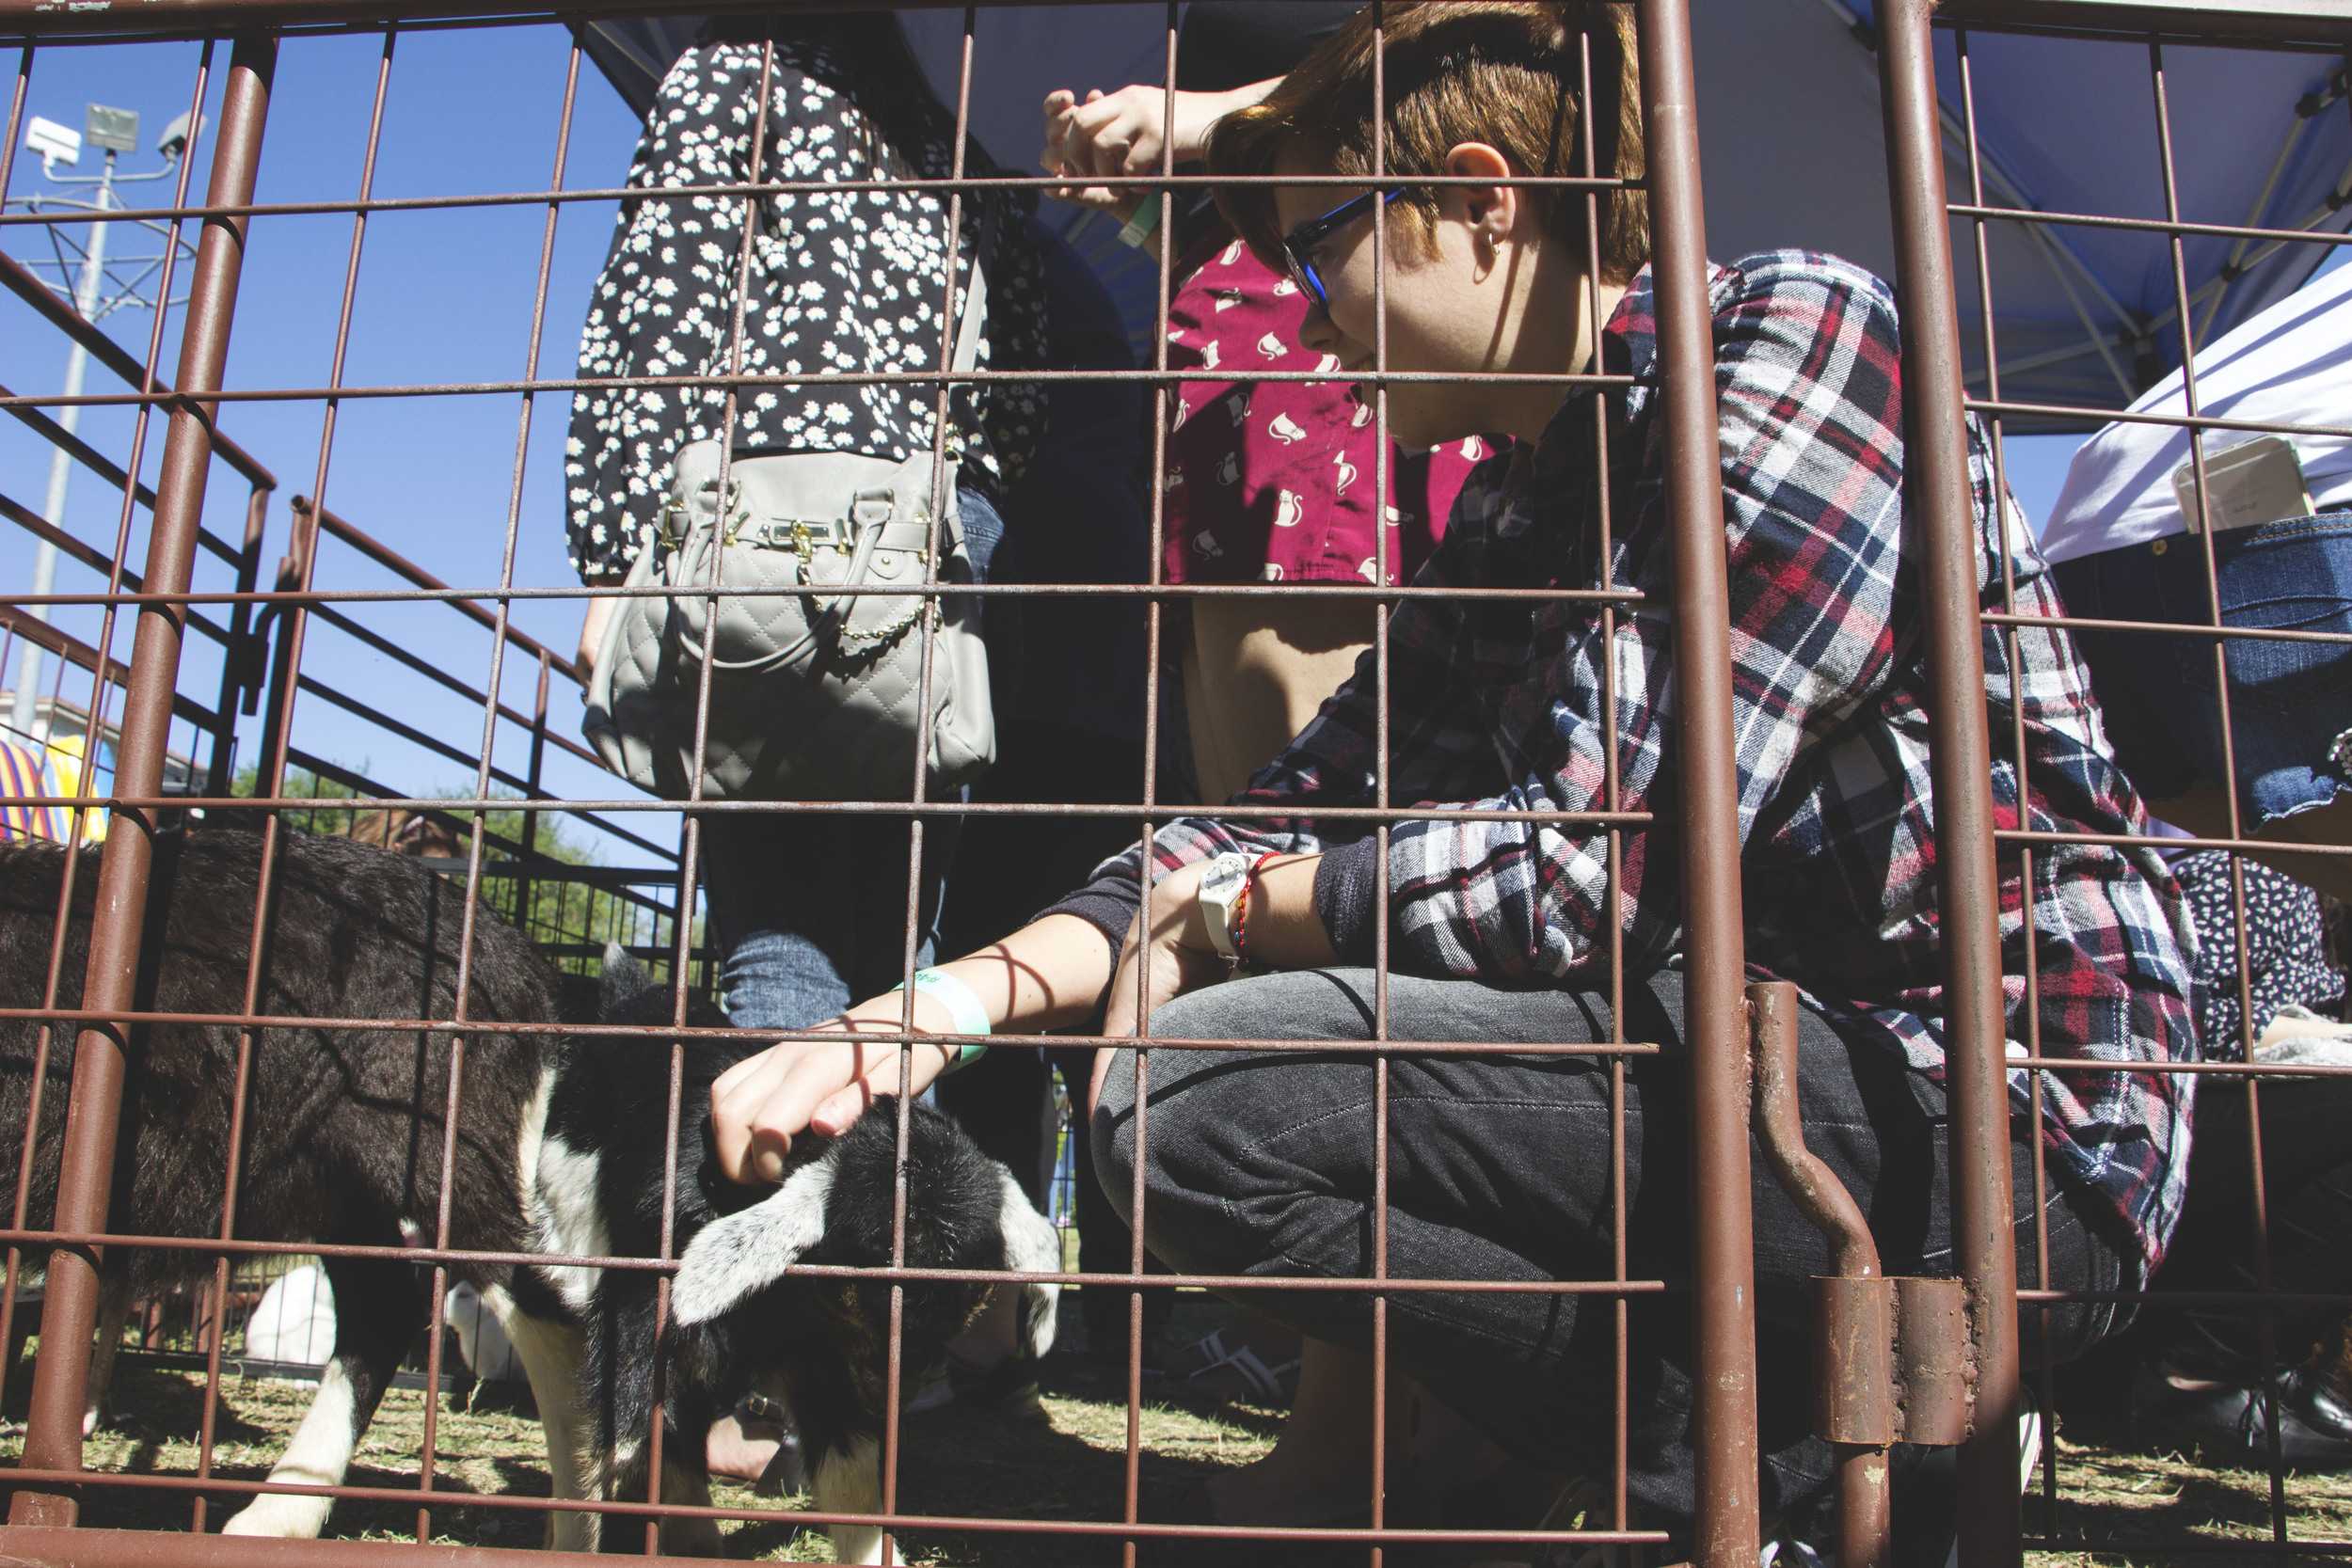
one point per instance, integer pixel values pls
(378, 1311)
(848, 1480)
(553, 1354)
(617, 1379)
(619, 1375)
(686, 1479)
(114, 1316)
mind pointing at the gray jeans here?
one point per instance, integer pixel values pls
(1262, 1164)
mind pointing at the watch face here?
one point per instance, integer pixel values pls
(1226, 874)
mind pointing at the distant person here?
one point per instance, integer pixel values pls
(2121, 542)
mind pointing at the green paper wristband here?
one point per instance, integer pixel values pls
(1139, 229)
(964, 1011)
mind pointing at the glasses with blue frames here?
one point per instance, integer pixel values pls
(1300, 244)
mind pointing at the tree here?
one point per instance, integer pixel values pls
(556, 894)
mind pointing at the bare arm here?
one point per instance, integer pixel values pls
(1124, 134)
(1049, 975)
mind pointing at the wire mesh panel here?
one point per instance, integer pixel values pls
(2235, 1391)
(441, 1022)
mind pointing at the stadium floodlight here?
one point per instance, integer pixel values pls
(173, 143)
(55, 143)
(98, 286)
(115, 130)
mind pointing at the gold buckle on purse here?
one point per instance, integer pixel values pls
(671, 529)
(799, 537)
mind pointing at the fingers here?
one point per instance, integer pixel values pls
(745, 1139)
(1107, 136)
(842, 1108)
(1101, 137)
(1057, 130)
(759, 1106)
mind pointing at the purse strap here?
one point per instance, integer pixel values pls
(967, 349)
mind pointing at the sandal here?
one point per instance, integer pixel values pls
(1243, 1377)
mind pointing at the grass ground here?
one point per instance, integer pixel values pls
(2141, 1508)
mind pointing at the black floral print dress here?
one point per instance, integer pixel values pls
(2287, 931)
(839, 283)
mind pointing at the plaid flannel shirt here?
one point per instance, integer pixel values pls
(1499, 706)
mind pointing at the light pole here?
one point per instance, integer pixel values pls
(96, 294)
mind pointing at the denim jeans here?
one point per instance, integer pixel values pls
(2290, 703)
(1499, 1168)
(809, 912)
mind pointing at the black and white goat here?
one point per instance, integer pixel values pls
(741, 1324)
(345, 1128)
(559, 1151)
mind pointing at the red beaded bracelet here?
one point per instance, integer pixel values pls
(1241, 918)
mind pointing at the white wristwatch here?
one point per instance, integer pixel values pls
(1220, 901)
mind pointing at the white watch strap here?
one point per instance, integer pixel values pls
(1220, 912)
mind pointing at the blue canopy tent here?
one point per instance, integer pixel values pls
(1794, 154)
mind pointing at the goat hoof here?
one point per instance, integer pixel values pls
(860, 1544)
(283, 1518)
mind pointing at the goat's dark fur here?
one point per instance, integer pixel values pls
(817, 1346)
(344, 1128)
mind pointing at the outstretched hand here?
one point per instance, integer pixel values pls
(1122, 134)
(819, 1082)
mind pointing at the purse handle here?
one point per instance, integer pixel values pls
(832, 617)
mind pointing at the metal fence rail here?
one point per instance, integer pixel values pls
(1964, 1338)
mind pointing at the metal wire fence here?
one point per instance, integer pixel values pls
(214, 709)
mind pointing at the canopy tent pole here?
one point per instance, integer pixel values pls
(2253, 219)
(2050, 254)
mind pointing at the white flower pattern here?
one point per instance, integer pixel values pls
(854, 277)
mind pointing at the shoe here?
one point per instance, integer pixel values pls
(1243, 1377)
(1927, 1498)
(2229, 1420)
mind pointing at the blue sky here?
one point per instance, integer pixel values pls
(441, 297)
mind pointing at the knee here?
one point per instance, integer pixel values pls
(1114, 1136)
(1112, 1133)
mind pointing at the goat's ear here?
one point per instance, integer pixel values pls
(1032, 1245)
(622, 979)
(742, 1254)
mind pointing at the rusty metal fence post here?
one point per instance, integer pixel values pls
(1723, 1276)
(1935, 481)
(53, 1427)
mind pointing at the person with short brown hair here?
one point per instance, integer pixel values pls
(1539, 902)
(1451, 64)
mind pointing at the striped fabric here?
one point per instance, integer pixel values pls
(25, 773)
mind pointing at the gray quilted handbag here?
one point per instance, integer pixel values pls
(812, 697)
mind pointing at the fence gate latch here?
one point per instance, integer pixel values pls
(1891, 1360)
